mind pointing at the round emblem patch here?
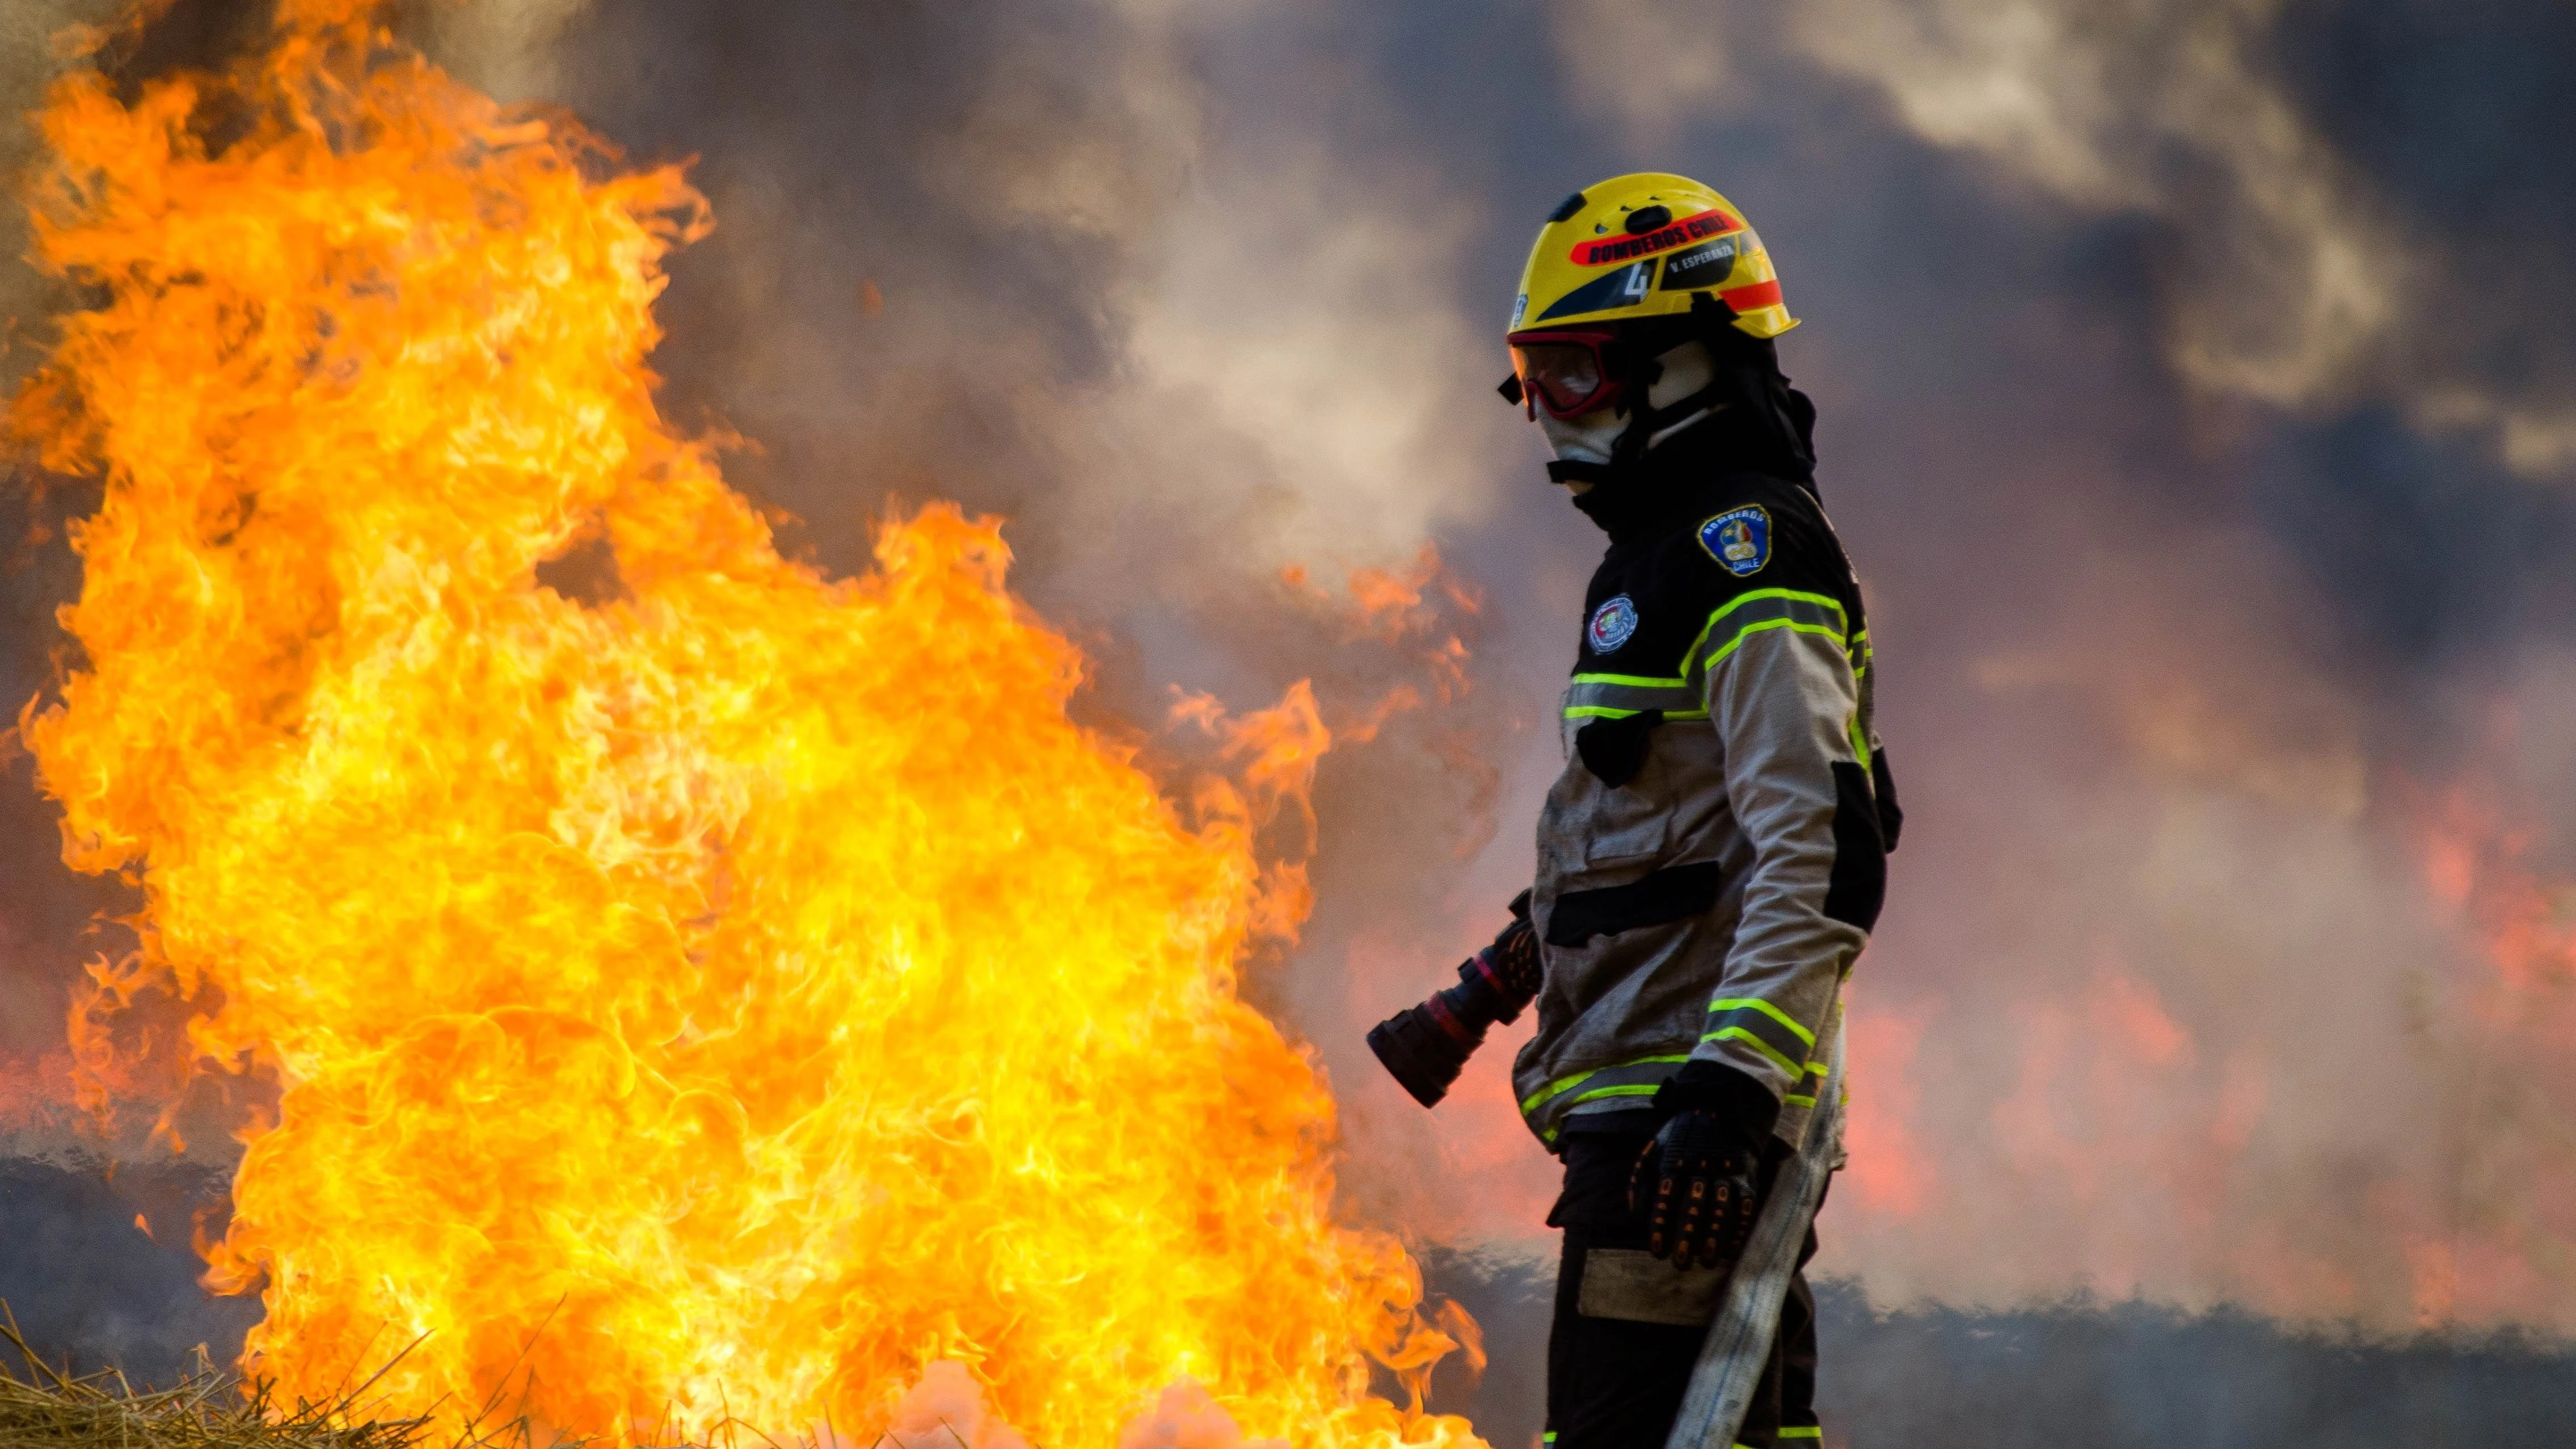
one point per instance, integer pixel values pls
(1612, 623)
(1739, 539)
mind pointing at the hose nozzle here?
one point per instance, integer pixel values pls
(1425, 1047)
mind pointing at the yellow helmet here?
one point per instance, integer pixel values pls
(1643, 246)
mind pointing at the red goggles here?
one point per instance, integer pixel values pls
(1566, 372)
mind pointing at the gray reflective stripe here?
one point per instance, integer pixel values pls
(1601, 1089)
(1760, 611)
(1617, 696)
(1768, 1029)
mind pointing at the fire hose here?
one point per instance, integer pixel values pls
(1739, 1339)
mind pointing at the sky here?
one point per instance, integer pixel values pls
(2196, 400)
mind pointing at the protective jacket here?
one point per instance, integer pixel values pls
(1713, 857)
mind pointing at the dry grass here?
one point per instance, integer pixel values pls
(50, 1409)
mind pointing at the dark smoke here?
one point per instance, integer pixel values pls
(2128, 1375)
(2195, 395)
(91, 1290)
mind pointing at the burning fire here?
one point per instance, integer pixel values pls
(714, 1001)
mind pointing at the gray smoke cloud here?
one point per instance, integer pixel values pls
(44, 912)
(2291, 274)
(2195, 401)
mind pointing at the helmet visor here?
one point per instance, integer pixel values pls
(1566, 372)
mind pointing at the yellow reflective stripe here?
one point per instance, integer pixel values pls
(1740, 600)
(1552, 1088)
(1815, 1069)
(1795, 1100)
(1859, 741)
(1639, 680)
(1760, 625)
(1753, 627)
(1566, 1084)
(1740, 1034)
(1607, 711)
(1811, 1431)
(1756, 1003)
(1641, 1089)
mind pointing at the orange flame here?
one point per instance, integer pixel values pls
(2477, 867)
(713, 1005)
(1415, 609)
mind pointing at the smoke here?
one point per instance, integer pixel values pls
(30, 57)
(44, 915)
(2196, 402)
(99, 1273)
(2287, 272)
(2107, 1375)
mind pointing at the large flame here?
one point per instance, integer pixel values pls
(712, 1001)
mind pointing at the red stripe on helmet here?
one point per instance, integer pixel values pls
(1753, 298)
(1603, 251)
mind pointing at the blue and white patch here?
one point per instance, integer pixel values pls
(1612, 624)
(1739, 539)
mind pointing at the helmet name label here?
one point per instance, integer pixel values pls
(1706, 265)
(1603, 252)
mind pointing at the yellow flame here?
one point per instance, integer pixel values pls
(709, 1004)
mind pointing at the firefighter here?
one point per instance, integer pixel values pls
(1712, 859)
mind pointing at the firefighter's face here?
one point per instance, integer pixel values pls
(1590, 437)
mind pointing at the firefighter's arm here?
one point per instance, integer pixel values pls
(1784, 700)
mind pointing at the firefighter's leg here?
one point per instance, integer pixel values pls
(1627, 1327)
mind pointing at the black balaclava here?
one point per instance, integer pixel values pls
(1754, 422)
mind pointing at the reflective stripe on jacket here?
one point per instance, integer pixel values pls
(1712, 858)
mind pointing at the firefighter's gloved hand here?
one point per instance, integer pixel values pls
(1699, 1170)
(1512, 961)
(1696, 1181)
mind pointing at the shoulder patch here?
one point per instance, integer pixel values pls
(1739, 539)
(1612, 624)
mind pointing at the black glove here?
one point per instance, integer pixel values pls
(1425, 1047)
(1699, 1170)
